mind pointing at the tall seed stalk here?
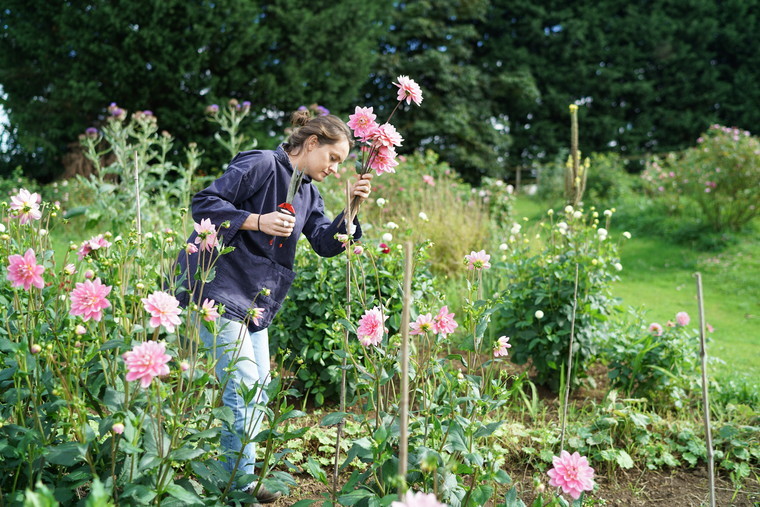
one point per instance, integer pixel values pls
(575, 174)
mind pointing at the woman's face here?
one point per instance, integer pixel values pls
(322, 160)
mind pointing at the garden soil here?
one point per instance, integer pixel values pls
(674, 488)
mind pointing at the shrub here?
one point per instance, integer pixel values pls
(307, 330)
(721, 175)
(654, 361)
(542, 279)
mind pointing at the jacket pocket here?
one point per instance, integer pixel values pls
(241, 280)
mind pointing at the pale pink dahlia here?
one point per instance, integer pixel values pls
(655, 329)
(408, 90)
(146, 361)
(422, 325)
(362, 122)
(208, 310)
(683, 319)
(418, 499)
(256, 314)
(444, 322)
(384, 160)
(387, 135)
(572, 473)
(164, 310)
(92, 244)
(371, 327)
(26, 205)
(88, 299)
(23, 271)
(501, 347)
(206, 235)
(478, 260)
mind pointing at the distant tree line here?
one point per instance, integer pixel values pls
(498, 75)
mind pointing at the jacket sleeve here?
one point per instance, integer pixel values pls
(221, 201)
(320, 231)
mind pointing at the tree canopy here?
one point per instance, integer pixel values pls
(497, 75)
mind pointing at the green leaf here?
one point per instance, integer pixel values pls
(482, 494)
(488, 429)
(183, 495)
(333, 418)
(186, 453)
(355, 496)
(66, 454)
(456, 441)
(624, 459)
(511, 500)
(316, 471)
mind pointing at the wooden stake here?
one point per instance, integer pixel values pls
(403, 451)
(705, 400)
(339, 432)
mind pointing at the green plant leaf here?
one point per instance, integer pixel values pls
(183, 495)
(66, 454)
(333, 418)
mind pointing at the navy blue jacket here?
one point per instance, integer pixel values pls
(256, 182)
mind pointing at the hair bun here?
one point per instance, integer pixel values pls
(300, 118)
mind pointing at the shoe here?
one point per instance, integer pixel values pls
(264, 495)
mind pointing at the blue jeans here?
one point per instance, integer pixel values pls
(242, 359)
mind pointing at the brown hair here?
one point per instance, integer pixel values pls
(329, 129)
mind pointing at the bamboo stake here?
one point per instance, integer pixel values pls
(137, 200)
(569, 365)
(343, 367)
(403, 451)
(705, 401)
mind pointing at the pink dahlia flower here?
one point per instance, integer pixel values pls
(572, 473)
(422, 325)
(26, 205)
(418, 499)
(683, 319)
(655, 329)
(88, 299)
(478, 260)
(190, 248)
(371, 327)
(23, 271)
(92, 244)
(362, 122)
(384, 160)
(408, 90)
(164, 310)
(208, 310)
(387, 135)
(444, 322)
(501, 347)
(146, 361)
(206, 235)
(256, 314)
(428, 179)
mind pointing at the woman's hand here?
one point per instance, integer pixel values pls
(362, 186)
(274, 223)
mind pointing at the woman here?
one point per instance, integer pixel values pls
(253, 280)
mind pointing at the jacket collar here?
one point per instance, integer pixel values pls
(282, 156)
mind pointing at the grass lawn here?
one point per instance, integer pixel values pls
(658, 277)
